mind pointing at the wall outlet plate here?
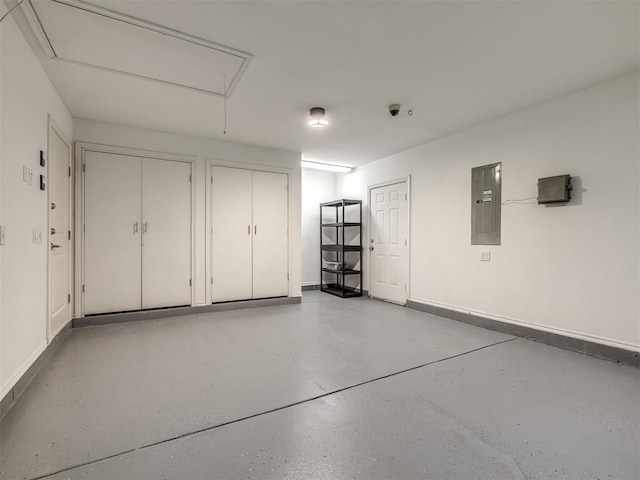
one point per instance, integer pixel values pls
(485, 256)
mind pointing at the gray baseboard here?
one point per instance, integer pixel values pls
(124, 317)
(614, 354)
(21, 385)
(308, 288)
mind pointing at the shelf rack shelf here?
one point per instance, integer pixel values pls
(334, 281)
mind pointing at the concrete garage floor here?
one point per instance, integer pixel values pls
(329, 389)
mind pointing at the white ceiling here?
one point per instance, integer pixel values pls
(456, 64)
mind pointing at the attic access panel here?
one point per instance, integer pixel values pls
(77, 32)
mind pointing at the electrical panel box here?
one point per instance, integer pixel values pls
(554, 189)
(486, 198)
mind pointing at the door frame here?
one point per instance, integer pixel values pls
(80, 150)
(406, 180)
(212, 162)
(54, 129)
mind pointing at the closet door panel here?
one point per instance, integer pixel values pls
(166, 233)
(112, 257)
(270, 218)
(232, 234)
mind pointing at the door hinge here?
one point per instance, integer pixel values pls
(69, 171)
(189, 282)
(68, 234)
(405, 196)
(68, 298)
(82, 288)
(211, 280)
(84, 167)
(189, 178)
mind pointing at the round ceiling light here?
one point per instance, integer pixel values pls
(317, 117)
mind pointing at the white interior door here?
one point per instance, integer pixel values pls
(270, 236)
(232, 234)
(112, 224)
(166, 233)
(388, 242)
(59, 235)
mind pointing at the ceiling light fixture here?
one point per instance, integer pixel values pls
(327, 167)
(317, 117)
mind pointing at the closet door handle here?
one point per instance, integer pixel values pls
(255, 229)
(144, 227)
(135, 228)
(248, 229)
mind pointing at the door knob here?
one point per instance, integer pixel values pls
(53, 231)
(54, 246)
(53, 206)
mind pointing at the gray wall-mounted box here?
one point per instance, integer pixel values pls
(486, 198)
(554, 189)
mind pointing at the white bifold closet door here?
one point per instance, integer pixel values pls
(250, 237)
(166, 233)
(270, 218)
(112, 255)
(137, 233)
(232, 234)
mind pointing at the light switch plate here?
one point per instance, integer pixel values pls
(485, 256)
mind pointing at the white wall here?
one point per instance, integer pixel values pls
(317, 187)
(204, 150)
(26, 98)
(568, 269)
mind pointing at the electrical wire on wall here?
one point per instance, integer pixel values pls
(11, 10)
(521, 201)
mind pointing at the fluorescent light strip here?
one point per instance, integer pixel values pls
(325, 166)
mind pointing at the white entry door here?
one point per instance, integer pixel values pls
(166, 233)
(270, 239)
(112, 224)
(59, 235)
(232, 234)
(388, 242)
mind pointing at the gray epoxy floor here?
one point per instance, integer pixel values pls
(329, 388)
